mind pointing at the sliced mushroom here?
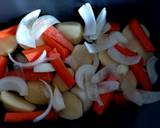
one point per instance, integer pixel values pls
(13, 102)
(7, 45)
(71, 30)
(83, 97)
(73, 109)
(60, 83)
(37, 93)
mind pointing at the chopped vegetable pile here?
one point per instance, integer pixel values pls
(70, 69)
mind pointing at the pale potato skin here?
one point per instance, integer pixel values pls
(37, 93)
(7, 45)
(83, 97)
(73, 31)
(81, 56)
(15, 103)
(57, 81)
(133, 43)
(40, 42)
(73, 109)
(105, 59)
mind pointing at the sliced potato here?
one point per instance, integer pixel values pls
(73, 108)
(37, 93)
(40, 42)
(80, 55)
(13, 102)
(83, 97)
(134, 44)
(71, 30)
(57, 81)
(105, 59)
(131, 82)
(7, 45)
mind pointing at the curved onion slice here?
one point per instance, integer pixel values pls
(108, 86)
(105, 42)
(106, 28)
(149, 97)
(58, 102)
(151, 69)
(102, 74)
(42, 24)
(87, 15)
(41, 59)
(101, 22)
(43, 67)
(119, 57)
(13, 83)
(70, 61)
(23, 35)
(96, 61)
(43, 115)
(81, 72)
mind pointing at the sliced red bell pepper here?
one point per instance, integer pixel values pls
(115, 27)
(141, 76)
(33, 53)
(125, 51)
(8, 32)
(28, 74)
(11, 117)
(3, 66)
(119, 99)
(106, 99)
(56, 35)
(138, 32)
(62, 70)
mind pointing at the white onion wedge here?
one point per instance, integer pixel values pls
(43, 67)
(96, 61)
(41, 59)
(105, 42)
(81, 72)
(149, 97)
(151, 69)
(23, 35)
(87, 15)
(119, 57)
(101, 22)
(58, 102)
(42, 24)
(45, 113)
(102, 74)
(108, 86)
(13, 83)
(70, 61)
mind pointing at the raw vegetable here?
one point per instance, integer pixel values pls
(8, 32)
(3, 66)
(43, 67)
(15, 103)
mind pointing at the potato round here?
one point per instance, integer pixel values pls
(71, 30)
(73, 108)
(37, 93)
(7, 45)
(15, 103)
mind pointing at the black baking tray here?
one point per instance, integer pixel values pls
(121, 11)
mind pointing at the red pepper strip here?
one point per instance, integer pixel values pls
(137, 30)
(54, 44)
(119, 99)
(62, 70)
(106, 99)
(125, 51)
(8, 32)
(3, 66)
(141, 76)
(27, 116)
(28, 74)
(33, 53)
(56, 35)
(115, 27)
